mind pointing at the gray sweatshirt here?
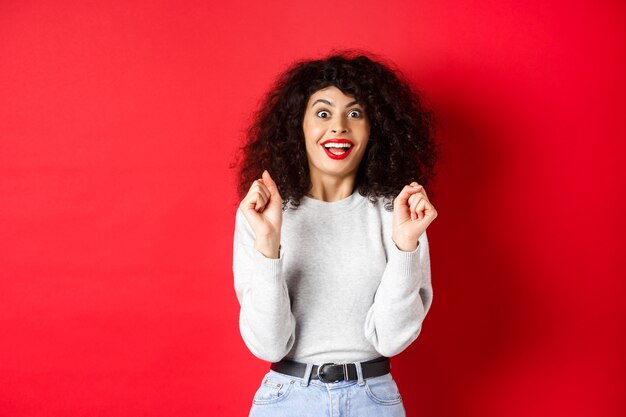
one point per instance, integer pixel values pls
(341, 290)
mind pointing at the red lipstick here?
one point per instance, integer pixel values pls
(338, 156)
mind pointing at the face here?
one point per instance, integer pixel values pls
(336, 132)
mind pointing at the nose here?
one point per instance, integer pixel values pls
(339, 126)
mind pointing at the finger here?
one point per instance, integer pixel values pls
(257, 187)
(260, 188)
(410, 203)
(419, 210)
(418, 197)
(402, 199)
(253, 200)
(271, 185)
(250, 201)
(263, 188)
(261, 201)
(423, 190)
(257, 196)
(429, 210)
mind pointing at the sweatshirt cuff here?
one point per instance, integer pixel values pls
(268, 270)
(405, 264)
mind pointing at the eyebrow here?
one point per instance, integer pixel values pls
(331, 104)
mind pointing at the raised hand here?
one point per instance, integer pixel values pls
(412, 213)
(262, 208)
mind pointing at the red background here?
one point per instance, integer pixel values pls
(118, 120)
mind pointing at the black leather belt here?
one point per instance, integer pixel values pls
(334, 372)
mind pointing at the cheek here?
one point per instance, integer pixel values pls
(364, 136)
(312, 134)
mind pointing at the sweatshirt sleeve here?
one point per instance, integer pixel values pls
(402, 299)
(266, 322)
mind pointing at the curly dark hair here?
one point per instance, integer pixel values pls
(401, 146)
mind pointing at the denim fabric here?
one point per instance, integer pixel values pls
(283, 395)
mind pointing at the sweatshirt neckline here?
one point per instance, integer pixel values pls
(340, 205)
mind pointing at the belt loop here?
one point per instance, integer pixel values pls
(359, 373)
(307, 375)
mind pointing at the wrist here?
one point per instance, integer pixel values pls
(405, 245)
(269, 247)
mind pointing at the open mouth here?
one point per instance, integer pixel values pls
(337, 149)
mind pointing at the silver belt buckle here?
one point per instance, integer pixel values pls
(345, 372)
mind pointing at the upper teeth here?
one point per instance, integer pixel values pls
(337, 145)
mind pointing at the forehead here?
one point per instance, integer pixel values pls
(332, 94)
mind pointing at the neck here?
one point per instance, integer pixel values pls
(329, 188)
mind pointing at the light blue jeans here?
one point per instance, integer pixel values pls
(283, 395)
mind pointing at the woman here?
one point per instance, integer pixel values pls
(330, 258)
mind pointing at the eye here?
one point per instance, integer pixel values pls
(321, 112)
(358, 113)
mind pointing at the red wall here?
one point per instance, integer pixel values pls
(117, 123)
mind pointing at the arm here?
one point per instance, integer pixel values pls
(402, 300)
(266, 322)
